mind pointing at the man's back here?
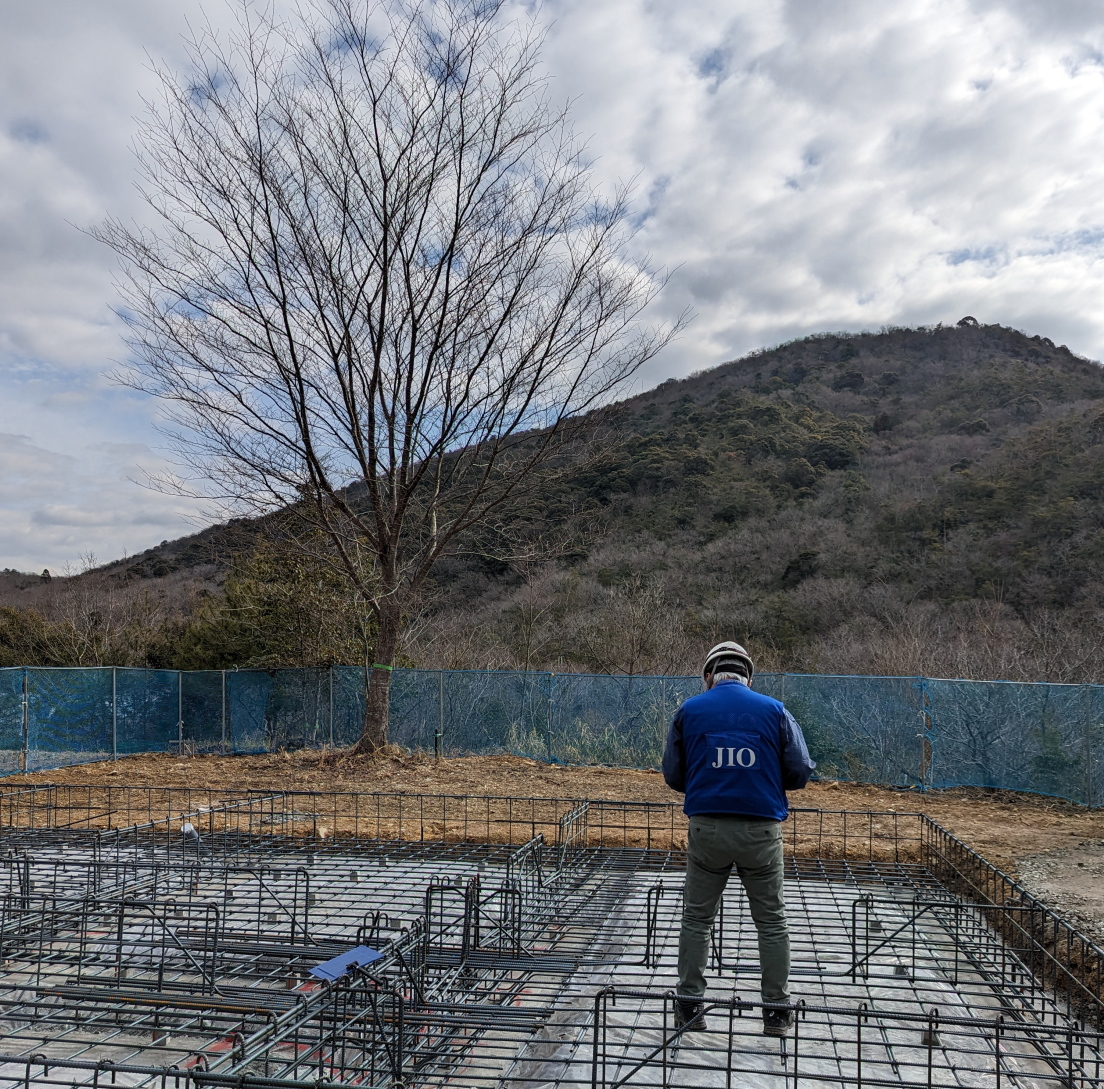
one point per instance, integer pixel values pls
(735, 751)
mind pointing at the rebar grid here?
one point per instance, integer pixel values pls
(634, 1042)
(136, 954)
(652, 826)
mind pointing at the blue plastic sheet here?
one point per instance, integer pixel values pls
(69, 716)
(336, 967)
(902, 731)
(11, 720)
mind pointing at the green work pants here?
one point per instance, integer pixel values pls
(753, 846)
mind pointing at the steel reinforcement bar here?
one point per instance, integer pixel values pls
(633, 1033)
(567, 824)
(1058, 957)
(829, 844)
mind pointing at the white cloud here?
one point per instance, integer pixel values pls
(802, 165)
(59, 507)
(853, 165)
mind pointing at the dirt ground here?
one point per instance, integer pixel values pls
(1024, 834)
(1072, 882)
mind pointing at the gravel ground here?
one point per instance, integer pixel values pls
(1071, 882)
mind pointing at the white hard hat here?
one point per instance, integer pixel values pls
(722, 654)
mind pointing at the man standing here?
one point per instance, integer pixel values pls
(734, 753)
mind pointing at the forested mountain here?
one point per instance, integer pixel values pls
(914, 500)
(917, 500)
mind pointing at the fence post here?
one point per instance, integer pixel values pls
(1087, 731)
(331, 707)
(114, 715)
(439, 733)
(223, 710)
(927, 735)
(180, 712)
(548, 724)
(26, 722)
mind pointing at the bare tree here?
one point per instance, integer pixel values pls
(639, 631)
(382, 285)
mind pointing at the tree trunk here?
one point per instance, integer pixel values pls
(377, 676)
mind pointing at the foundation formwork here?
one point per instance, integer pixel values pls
(179, 938)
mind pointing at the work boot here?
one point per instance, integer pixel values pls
(689, 1015)
(777, 1021)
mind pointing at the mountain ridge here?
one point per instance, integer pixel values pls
(911, 500)
(838, 481)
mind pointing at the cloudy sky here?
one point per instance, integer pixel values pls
(803, 165)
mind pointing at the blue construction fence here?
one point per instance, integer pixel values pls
(901, 731)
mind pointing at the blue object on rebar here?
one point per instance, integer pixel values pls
(336, 967)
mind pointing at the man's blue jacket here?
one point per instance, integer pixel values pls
(734, 751)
